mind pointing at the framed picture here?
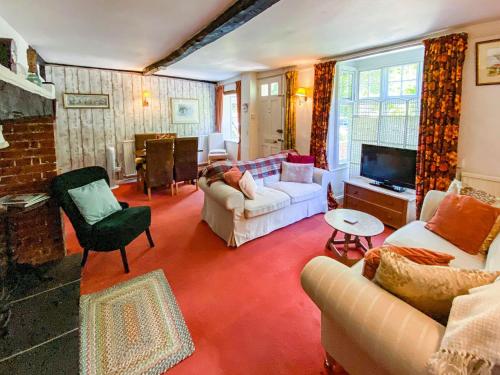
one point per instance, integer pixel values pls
(185, 111)
(488, 62)
(85, 100)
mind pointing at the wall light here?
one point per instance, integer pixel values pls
(145, 98)
(302, 94)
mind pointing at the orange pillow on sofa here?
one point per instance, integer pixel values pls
(417, 255)
(464, 221)
(232, 177)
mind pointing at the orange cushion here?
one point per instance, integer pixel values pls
(417, 255)
(232, 177)
(464, 221)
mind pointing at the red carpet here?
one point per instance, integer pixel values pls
(244, 307)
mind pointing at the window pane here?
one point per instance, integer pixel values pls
(363, 91)
(410, 72)
(275, 88)
(409, 87)
(363, 78)
(394, 73)
(346, 79)
(264, 89)
(343, 143)
(394, 88)
(374, 89)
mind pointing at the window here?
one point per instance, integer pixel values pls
(270, 87)
(230, 125)
(376, 102)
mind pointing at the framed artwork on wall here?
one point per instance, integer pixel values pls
(488, 62)
(71, 100)
(184, 111)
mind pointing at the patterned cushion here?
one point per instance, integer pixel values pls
(292, 172)
(430, 289)
(478, 194)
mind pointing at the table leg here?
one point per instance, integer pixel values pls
(347, 241)
(369, 242)
(331, 240)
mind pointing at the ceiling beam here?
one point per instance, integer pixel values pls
(236, 15)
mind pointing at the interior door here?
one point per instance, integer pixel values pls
(271, 115)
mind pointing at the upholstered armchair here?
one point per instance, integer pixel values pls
(216, 147)
(186, 160)
(113, 232)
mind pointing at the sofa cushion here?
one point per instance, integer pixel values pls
(414, 234)
(266, 200)
(493, 257)
(297, 191)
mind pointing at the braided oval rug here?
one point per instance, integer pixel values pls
(134, 327)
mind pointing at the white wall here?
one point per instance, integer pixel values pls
(6, 31)
(479, 139)
(83, 134)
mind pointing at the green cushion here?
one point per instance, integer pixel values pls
(120, 228)
(95, 201)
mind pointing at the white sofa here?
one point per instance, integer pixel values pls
(278, 204)
(368, 330)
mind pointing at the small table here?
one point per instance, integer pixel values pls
(367, 226)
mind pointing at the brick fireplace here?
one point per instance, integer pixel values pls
(39, 285)
(27, 166)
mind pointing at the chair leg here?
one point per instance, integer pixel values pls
(150, 239)
(172, 189)
(85, 255)
(196, 183)
(124, 259)
(149, 193)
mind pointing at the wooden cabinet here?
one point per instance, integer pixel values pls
(392, 208)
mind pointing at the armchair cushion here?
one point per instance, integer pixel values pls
(95, 201)
(120, 228)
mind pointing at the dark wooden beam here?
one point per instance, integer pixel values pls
(236, 15)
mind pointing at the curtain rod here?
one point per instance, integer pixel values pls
(374, 51)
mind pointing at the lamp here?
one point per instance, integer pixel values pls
(3, 142)
(145, 98)
(301, 93)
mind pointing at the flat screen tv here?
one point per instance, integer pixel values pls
(390, 167)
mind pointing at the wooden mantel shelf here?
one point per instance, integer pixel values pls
(17, 80)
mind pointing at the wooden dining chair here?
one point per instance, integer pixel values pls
(186, 160)
(140, 144)
(159, 168)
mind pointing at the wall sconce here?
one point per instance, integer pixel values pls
(145, 98)
(302, 94)
(3, 142)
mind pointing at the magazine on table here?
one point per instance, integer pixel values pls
(23, 200)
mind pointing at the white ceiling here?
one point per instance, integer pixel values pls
(130, 34)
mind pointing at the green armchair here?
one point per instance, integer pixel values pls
(113, 232)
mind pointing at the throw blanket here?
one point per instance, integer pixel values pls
(471, 342)
(259, 168)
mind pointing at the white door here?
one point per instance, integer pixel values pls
(271, 115)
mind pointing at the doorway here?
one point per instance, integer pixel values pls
(271, 114)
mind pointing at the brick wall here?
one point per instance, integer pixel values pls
(27, 166)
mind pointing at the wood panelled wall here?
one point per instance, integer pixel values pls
(83, 134)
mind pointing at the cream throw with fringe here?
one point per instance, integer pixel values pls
(471, 343)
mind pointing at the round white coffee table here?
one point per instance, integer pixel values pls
(366, 226)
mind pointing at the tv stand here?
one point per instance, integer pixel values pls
(384, 185)
(392, 208)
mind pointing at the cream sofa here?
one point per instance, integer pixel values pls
(368, 330)
(278, 204)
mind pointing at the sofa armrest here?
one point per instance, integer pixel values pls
(322, 177)
(225, 195)
(395, 334)
(431, 202)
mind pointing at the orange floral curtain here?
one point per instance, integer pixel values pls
(440, 113)
(219, 102)
(290, 115)
(322, 99)
(238, 106)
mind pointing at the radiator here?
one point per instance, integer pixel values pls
(129, 158)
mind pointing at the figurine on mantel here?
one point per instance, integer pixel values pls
(32, 67)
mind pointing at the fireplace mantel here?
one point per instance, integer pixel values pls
(17, 80)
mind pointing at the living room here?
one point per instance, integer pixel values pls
(249, 187)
